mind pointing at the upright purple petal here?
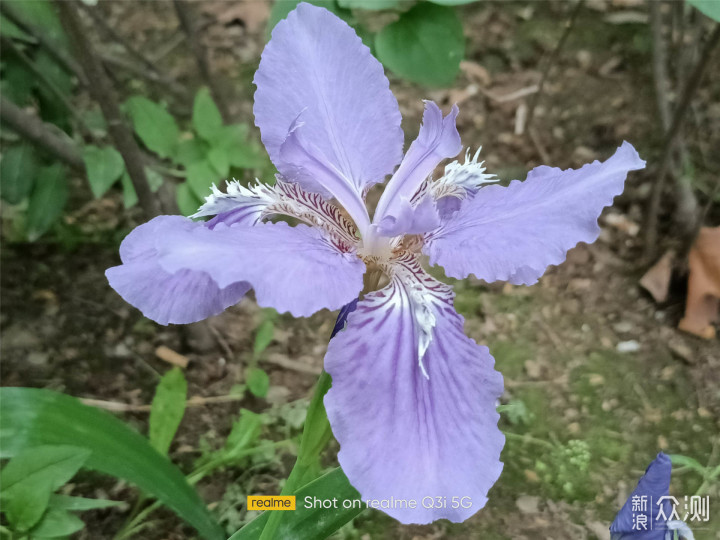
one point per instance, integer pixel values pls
(655, 483)
(438, 139)
(180, 298)
(295, 269)
(514, 233)
(315, 70)
(412, 401)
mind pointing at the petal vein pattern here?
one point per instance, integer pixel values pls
(250, 205)
(413, 400)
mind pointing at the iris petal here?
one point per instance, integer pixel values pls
(317, 72)
(413, 402)
(296, 269)
(514, 233)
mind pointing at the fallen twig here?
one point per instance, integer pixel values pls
(196, 401)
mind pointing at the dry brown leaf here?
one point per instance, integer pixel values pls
(166, 354)
(703, 299)
(656, 281)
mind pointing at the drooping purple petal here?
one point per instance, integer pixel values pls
(514, 233)
(295, 269)
(412, 401)
(653, 485)
(316, 70)
(438, 139)
(180, 298)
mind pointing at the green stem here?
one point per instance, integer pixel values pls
(528, 438)
(316, 435)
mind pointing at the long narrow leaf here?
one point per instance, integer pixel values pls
(313, 522)
(30, 417)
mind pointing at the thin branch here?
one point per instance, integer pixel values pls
(53, 49)
(40, 134)
(660, 65)
(170, 84)
(103, 93)
(197, 401)
(187, 21)
(151, 71)
(691, 85)
(551, 62)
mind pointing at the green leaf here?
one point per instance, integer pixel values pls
(218, 158)
(31, 417)
(206, 118)
(18, 170)
(257, 381)
(167, 410)
(244, 432)
(711, 8)
(200, 176)
(679, 460)
(17, 80)
(187, 201)
(190, 151)
(154, 178)
(312, 522)
(154, 125)
(425, 45)
(47, 200)
(28, 502)
(104, 166)
(42, 14)
(31, 476)
(57, 523)
(130, 197)
(78, 504)
(263, 336)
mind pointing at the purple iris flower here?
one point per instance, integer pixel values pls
(646, 514)
(413, 399)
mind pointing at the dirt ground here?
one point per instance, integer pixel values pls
(586, 352)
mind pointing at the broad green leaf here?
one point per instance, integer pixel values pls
(55, 73)
(218, 158)
(42, 14)
(47, 200)
(167, 410)
(31, 476)
(711, 8)
(18, 170)
(312, 522)
(27, 503)
(154, 125)
(78, 504)
(244, 432)
(31, 417)
(57, 463)
(263, 336)
(187, 201)
(17, 80)
(369, 4)
(57, 523)
(206, 118)
(104, 166)
(257, 381)
(190, 151)
(130, 197)
(10, 29)
(200, 176)
(425, 45)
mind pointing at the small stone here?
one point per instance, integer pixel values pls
(596, 379)
(600, 529)
(38, 358)
(531, 476)
(628, 346)
(527, 504)
(623, 327)
(574, 428)
(16, 337)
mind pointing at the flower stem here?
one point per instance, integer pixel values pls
(316, 435)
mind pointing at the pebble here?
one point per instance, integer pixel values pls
(628, 346)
